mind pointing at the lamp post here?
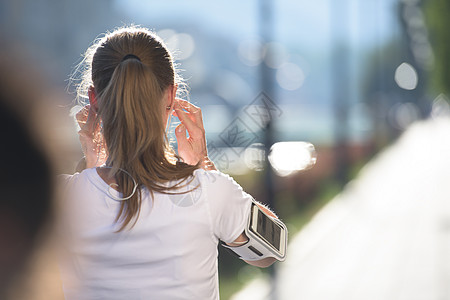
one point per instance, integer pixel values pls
(341, 85)
(266, 83)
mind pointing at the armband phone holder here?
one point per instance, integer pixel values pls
(267, 237)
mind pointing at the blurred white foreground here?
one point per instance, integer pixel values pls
(386, 236)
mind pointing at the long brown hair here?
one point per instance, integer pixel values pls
(130, 95)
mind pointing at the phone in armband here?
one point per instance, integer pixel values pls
(267, 237)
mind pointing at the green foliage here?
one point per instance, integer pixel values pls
(437, 13)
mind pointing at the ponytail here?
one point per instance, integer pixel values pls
(130, 94)
(130, 105)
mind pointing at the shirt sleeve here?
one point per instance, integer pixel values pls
(229, 206)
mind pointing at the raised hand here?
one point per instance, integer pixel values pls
(192, 149)
(91, 138)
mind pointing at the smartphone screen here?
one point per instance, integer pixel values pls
(266, 228)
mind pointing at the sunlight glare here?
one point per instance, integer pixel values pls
(287, 158)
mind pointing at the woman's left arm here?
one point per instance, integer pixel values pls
(91, 139)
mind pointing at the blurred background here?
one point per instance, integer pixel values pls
(366, 82)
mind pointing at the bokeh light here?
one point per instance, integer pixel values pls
(287, 158)
(223, 79)
(182, 45)
(275, 55)
(440, 107)
(254, 157)
(290, 76)
(401, 115)
(250, 52)
(406, 76)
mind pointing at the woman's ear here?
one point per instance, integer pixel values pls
(93, 98)
(172, 93)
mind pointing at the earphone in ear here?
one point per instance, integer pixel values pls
(169, 108)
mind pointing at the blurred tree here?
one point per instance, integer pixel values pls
(437, 14)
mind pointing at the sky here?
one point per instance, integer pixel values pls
(307, 20)
(307, 32)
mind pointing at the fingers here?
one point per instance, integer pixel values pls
(183, 144)
(187, 105)
(86, 118)
(82, 115)
(195, 111)
(84, 134)
(192, 121)
(192, 149)
(186, 120)
(180, 133)
(91, 138)
(90, 122)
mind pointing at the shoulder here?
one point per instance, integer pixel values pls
(221, 187)
(66, 180)
(229, 205)
(215, 178)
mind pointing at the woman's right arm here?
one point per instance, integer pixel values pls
(262, 263)
(193, 150)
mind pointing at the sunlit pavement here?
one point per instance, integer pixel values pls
(386, 236)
